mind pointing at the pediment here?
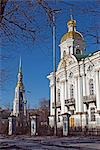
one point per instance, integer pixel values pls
(67, 61)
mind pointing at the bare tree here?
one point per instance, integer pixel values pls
(44, 110)
(44, 103)
(15, 20)
(18, 19)
(4, 73)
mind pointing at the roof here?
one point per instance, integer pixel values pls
(73, 35)
(81, 56)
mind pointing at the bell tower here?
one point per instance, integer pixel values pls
(72, 42)
(19, 105)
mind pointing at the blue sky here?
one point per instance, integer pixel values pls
(37, 57)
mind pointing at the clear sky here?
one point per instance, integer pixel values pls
(37, 57)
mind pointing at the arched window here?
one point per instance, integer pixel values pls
(91, 87)
(78, 51)
(64, 53)
(59, 95)
(71, 91)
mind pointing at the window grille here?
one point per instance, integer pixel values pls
(71, 91)
(92, 111)
(91, 87)
(59, 95)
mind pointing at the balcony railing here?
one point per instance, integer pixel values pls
(70, 101)
(58, 104)
(89, 98)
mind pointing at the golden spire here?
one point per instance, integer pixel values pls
(20, 75)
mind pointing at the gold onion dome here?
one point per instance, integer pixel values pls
(72, 34)
(72, 23)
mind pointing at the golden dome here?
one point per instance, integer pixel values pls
(73, 35)
(72, 23)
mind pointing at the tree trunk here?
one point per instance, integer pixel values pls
(2, 8)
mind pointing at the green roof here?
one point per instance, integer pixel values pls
(81, 56)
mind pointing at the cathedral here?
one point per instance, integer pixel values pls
(77, 83)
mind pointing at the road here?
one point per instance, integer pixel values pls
(49, 143)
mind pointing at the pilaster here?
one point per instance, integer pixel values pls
(51, 100)
(66, 89)
(97, 74)
(84, 85)
(80, 94)
(76, 94)
(62, 97)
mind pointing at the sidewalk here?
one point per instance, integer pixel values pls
(49, 143)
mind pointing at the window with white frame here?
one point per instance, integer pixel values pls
(71, 91)
(91, 87)
(92, 111)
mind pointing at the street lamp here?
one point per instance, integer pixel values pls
(54, 70)
(54, 66)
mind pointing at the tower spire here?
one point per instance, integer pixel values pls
(19, 106)
(20, 65)
(71, 14)
(20, 74)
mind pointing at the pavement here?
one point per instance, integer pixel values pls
(49, 143)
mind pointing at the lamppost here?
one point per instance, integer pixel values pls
(54, 70)
(53, 12)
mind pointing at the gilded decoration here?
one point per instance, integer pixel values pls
(73, 35)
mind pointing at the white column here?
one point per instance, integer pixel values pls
(68, 87)
(84, 85)
(99, 78)
(85, 108)
(66, 90)
(66, 94)
(84, 90)
(97, 89)
(62, 98)
(80, 94)
(76, 95)
(51, 99)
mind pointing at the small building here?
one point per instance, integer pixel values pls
(77, 83)
(4, 114)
